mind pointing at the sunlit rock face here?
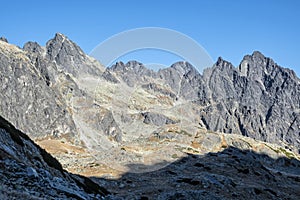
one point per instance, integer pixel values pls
(116, 120)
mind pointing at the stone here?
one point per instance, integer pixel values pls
(3, 39)
(31, 172)
(28, 179)
(156, 119)
(250, 100)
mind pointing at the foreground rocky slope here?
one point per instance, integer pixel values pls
(229, 174)
(29, 172)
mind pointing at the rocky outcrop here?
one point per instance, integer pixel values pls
(29, 172)
(3, 39)
(59, 91)
(27, 100)
(70, 58)
(258, 99)
(156, 119)
(132, 73)
(184, 80)
(230, 174)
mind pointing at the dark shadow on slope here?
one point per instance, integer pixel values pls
(230, 174)
(17, 148)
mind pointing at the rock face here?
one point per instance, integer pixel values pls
(229, 174)
(27, 100)
(258, 99)
(40, 87)
(3, 39)
(29, 172)
(156, 119)
(99, 121)
(69, 57)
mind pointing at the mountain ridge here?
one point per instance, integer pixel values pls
(258, 83)
(111, 121)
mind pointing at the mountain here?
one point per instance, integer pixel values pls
(259, 99)
(29, 172)
(98, 121)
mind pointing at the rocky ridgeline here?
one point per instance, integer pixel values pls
(128, 117)
(29, 172)
(258, 99)
(229, 174)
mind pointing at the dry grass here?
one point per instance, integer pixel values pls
(57, 147)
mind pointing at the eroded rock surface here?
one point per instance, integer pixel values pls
(28, 172)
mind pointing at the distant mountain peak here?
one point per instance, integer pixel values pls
(183, 66)
(33, 47)
(60, 35)
(3, 39)
(69, 56)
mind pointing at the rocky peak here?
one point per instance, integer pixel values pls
(3, 39)
(224, 65)
(131, 66)
(183, 68)
(252, 99)
(33, 47)
(256, 65)
(119, 66)
(132, 72)
(69, 57)
(135, 65)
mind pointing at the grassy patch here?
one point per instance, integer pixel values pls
(288, 154)
(282, 150)
(174, 156)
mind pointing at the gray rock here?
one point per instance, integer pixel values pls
(31, 172)
(156, 119)
(48, 182)
(157, 89)
(109, 126)
(69, 57)
(3, 39)
(107, 75)
(184, 80)
(258, 99)
(33, 47)
(132, 73)
(26, 98)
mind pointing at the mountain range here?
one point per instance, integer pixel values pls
(98, 120)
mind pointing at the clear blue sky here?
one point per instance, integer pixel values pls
(228, 28)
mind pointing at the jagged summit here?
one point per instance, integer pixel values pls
(258, 85)
(33, 47)
(70, 58)
(130, 65)
(183, 67)
(3, 39)
(98, 121)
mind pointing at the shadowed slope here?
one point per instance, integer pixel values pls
(230, 174)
